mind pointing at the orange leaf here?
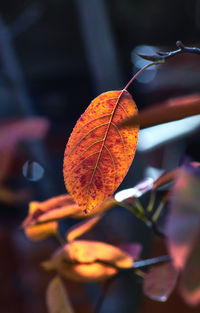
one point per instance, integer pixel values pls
(84, 260)
(14, 197)
(98, 154)
(82, 227)
(40, 232)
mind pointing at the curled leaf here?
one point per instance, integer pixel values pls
(57, 298)
(43, 231)
(52, 209)
(168, 111)
(82, 227)
(61, 207)
(99, 154)
(84, 260)
(160, 281)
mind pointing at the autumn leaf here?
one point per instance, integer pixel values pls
(98, 154)
(42, 231)
(167, 111)
(57, 298)
(61, 207)
(82, 227)
(160, 281)
(83, 260)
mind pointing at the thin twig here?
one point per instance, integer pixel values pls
(162, 56)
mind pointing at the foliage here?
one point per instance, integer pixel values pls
(97, 157)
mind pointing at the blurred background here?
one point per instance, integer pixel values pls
(55, 57)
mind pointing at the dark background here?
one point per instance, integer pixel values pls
(55, 57)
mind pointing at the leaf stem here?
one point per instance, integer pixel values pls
(140, 71)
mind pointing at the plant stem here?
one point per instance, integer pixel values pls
(153, 261)
(140, 71)
(162, 56)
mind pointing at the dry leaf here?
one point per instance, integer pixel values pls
(42, 231)
(57, 298)
(98, 154)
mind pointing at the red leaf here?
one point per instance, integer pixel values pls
(183, 223)
(160, 282)
(190, 278)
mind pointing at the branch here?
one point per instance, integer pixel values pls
(162, 56)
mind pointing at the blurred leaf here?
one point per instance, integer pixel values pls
(183, 222)
(85, 261)
(166, 178)
(57, 298)
(61, 207)
(133, 249)
(52, 209)
(42, 231)
(98, 154)
(11, 197)
(190, 278)
(82, 227)
(167, 111)
(15, 130)
(160, 281)
(170, 176)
